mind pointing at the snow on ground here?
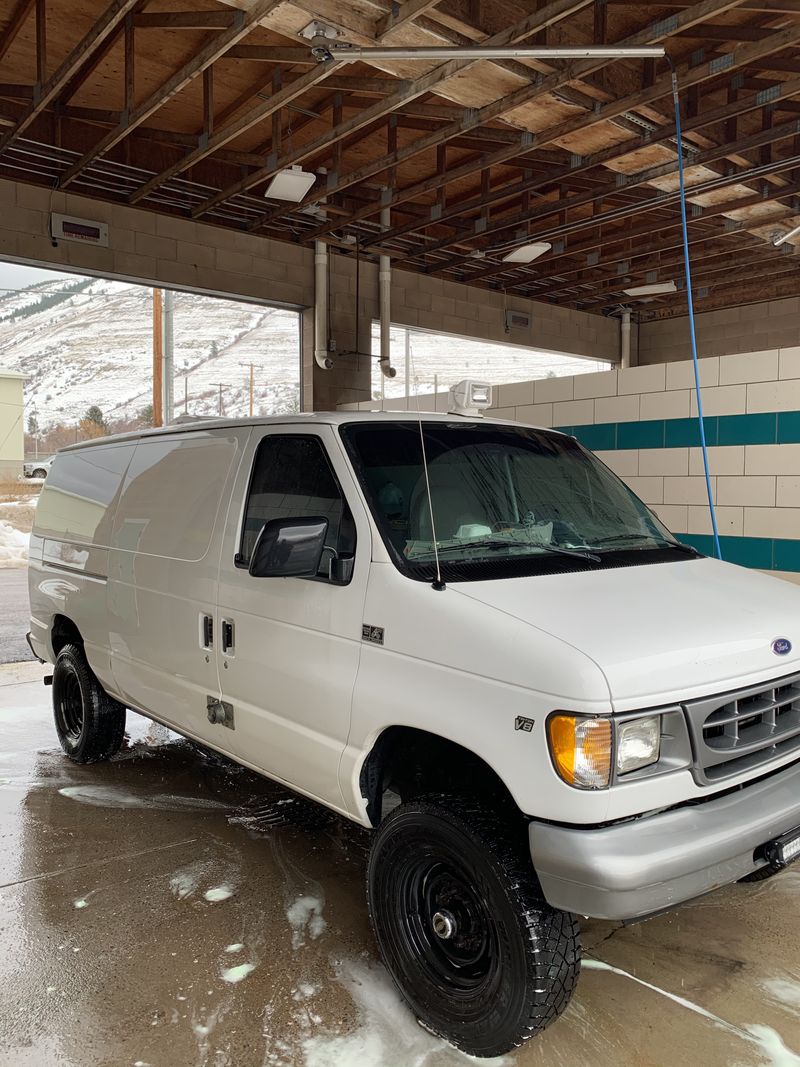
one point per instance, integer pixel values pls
(13, 546)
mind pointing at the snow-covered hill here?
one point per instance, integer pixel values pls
(88, 341)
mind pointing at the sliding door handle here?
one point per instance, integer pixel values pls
(207, 631)
(227, 636)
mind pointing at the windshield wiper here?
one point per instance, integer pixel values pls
(498, 542)
(656, 542)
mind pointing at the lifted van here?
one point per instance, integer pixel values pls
(466, 634)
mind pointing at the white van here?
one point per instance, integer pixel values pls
(466, 634)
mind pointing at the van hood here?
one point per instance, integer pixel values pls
(661, 632)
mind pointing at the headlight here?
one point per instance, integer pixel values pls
(638, 743)
(581, 750)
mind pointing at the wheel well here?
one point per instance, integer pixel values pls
(408, 763)
(64, 632)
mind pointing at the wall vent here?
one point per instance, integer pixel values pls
(518, 320)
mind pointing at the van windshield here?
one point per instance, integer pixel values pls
(510, 500)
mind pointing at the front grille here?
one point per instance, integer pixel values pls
(746, 729)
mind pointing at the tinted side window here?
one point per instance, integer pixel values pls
(292, 478)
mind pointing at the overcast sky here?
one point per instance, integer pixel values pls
(14, 276)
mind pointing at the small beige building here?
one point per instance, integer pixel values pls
(12, 428)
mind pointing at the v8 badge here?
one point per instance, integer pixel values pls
(526, 725)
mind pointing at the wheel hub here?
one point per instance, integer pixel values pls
(444, 925)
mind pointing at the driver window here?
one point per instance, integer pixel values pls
(292, 478)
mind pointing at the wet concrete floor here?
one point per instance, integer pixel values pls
(168, 909)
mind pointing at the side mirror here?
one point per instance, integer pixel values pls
(289, 548)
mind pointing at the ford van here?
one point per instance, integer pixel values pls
(466, 635)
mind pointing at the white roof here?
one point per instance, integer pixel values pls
(329, 418)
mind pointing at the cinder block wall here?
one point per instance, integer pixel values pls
(753, 328)
(161, 250)
(12, 426)
(643, 423)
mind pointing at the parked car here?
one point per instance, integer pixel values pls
(37, 468)
(465, 634)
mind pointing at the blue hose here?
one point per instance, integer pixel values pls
(692, 332)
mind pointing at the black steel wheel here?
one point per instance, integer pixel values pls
(90, 724)
(459, 918)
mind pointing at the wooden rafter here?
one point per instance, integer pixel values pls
(243, 23)
(15, 24)
(402, 14)
(552, 12)
(80, 54)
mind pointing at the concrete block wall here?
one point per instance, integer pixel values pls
(157, 249)
(751, 328)
(642, 422)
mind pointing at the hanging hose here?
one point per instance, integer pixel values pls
(692, 332)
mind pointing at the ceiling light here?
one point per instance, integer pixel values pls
(652, 290)
(785, 237)
(527, 253)
(291, 184)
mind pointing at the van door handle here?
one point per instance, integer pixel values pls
(227, 636)
(207, 635)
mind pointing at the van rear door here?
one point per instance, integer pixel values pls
(291, 654)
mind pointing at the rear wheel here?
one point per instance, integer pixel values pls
(90, 724)
(480, 957)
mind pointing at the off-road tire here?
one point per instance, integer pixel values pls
(90, 724)
(510, 967)
(762, 874)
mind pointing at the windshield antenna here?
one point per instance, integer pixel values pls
(438, 585)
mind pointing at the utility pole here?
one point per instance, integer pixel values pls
(252, 383)
(168, 377)
(158, 356)
(221, 387)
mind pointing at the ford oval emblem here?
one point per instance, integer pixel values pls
(781, 646)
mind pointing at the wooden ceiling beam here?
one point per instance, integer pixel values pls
(661, 87)
(558, 232)
(46, 92)
(400, 15)
(551, 13)
(217, 46)
(18, 18)
(185, 20)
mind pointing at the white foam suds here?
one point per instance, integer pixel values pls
(219, 892)
(304, 991)
(101, 796)
(305, 914)
(183, 884)
(236, 947)
(785, 991)
(388, 1035)
(238, 973)
(82, 903)
(768, 1041)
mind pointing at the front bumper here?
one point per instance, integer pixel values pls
(632, 869)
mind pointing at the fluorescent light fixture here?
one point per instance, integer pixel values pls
(652, 290)
(342, 51)
(786, 236)
(527, 253)
(291, 184)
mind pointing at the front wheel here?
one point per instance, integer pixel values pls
(480, 957)
(90, 724)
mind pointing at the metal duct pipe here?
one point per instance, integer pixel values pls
(385, 295)
(625, 338)
(168, 356)
(321, 306)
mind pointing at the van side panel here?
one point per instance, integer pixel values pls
(162, 573)
(69, 548)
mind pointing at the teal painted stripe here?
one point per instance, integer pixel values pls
(760, 428)
(766, 553)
